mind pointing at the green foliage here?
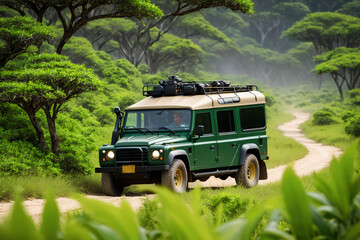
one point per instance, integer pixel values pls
(17, 34)
(326, 30)
(22, 158)
(230, 205)
(354, 96)
(330, 213)
(323, 116)
(352, 126)
(148, 214)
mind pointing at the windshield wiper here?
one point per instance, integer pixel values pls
(148, 130)
(135, 128)
(163, 127)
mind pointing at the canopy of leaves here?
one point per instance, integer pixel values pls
(17, 34)
(326, 30)
(351, 8)
(45, 78)
(338, 59)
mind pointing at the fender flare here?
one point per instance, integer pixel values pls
(246, 148)
(176, 153)
(254, 149)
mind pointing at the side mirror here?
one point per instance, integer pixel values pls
(117, 110)
(200, 130)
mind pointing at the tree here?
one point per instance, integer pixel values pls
(18, 34)
(271, 19)
(135, 46)
(343, 64)
(326, 30)
(75, 14)
(351, 8)
(47, 82)
(173, 52)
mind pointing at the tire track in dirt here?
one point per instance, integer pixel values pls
(319, 156)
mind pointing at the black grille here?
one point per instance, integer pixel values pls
(131, 155)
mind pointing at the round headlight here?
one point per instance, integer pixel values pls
(110, 155)
(155, 154)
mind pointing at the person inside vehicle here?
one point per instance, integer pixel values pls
(177, 121)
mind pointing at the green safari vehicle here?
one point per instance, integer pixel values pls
(187, 131)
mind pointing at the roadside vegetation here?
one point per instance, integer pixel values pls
(331, 212)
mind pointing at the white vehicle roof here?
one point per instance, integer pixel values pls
(197, 102)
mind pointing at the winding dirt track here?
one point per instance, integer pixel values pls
(318, 157)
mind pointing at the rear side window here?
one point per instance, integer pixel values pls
(252, 118)
(203, 119)
(225, 120)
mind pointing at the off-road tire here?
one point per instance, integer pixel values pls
(110, 186)
(249, 172)
(176, 178)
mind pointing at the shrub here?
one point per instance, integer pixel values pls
(352, 126)
(270, 100)
(324, 116)
(232, 206)
(148, 214)
(355, 96)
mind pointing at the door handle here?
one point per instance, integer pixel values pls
(212, 147)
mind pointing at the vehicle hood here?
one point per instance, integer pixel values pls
(148, 140)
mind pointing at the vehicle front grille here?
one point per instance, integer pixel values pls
(134, 155)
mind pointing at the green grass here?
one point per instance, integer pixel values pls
(282, 149)
(35, 186)
(333, 135)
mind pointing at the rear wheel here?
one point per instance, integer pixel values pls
(176, 178)
(248, 174)
(110, 185)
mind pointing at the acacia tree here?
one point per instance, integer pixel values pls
(47, 82)
(343, 64)
(172, 51)
(135, 46)
(18, 34)
(75, 14)
(326, 31)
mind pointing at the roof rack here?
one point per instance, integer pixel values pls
(175, 86)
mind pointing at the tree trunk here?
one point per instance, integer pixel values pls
(52, 130)
(39, 132)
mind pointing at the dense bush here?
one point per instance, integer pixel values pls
(352, 126)
(231, 205)
(323, 116)
(354, 96)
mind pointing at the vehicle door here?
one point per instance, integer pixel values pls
(205, 147)
(227, 138)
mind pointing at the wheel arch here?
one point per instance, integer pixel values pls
(252, 148)
(182, 155)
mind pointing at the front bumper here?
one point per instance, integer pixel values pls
(138, 169)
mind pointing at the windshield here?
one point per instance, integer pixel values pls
(158, 120)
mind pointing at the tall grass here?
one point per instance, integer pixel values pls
(282, 149)
(328, 134)
(36, 186)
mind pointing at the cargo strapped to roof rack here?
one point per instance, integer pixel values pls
(175, 86)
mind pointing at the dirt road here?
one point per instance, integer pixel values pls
(318, 157)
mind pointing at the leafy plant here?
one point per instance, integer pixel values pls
(331, 213)
(323, 116)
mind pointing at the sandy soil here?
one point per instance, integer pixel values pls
(318, 157)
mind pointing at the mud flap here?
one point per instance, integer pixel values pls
(263, 170)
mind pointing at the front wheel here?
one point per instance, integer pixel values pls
(110, 185)
(176, 178)
(248, 174)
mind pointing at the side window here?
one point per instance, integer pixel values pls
(225, 120)
(252, 118)
(203, 119)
